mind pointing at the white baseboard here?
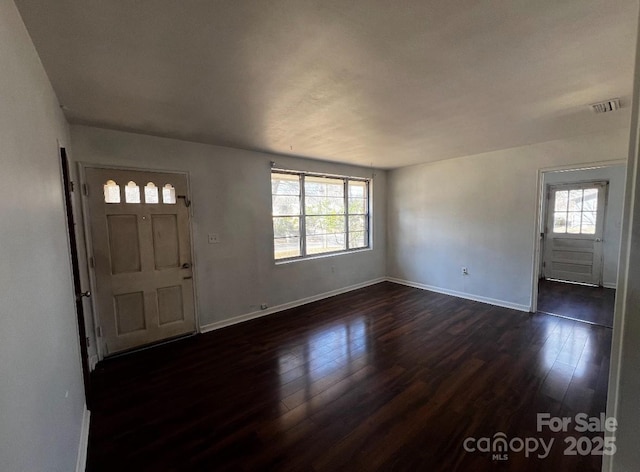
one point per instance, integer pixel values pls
(81, 463)
(275, 309)
(468, 296)
(610, 285)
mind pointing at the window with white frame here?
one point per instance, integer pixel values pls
(318, 214)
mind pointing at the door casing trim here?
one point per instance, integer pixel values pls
(539, 224)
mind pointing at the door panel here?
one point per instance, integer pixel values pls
(142, 255)
(573, 235)
(166, 246)
(124, 243)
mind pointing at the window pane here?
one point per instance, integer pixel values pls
(286, 227)
(357, 239)
(357, 189)
(324, 205)
(286, 247)
(319, 244)
(132, 193)
(589, 222)
(286, 205)
(575, 200)
(590, 202)
(323, 208)
(562, 200)
(324, 224)
(560, 222)
(357, 205)
(285, 184)
(573, 222)
(323, 187)
(168, 195)
(111, 192)
(356, 223)
(151, 193)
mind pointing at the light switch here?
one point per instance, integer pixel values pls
(214, 238)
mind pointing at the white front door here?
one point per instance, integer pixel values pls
(573, 232)
(141, 253)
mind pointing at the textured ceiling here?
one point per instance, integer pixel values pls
(367, 82)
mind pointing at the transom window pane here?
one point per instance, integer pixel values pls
(132, 193)
(151, 193)
(168, 195)
(111, 192)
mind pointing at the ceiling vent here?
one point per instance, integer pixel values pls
(607, 105)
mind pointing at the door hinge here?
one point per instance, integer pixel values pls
(72, 186)
(88, 341)
(544, 264)
(99, 331)
(85, 190)
(92, 263)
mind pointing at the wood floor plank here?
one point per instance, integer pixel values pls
(383, 378)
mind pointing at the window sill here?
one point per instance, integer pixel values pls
(321, 256)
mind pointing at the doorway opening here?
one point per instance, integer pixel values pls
(580, 230)
(80, 295)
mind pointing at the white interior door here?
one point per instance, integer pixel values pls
(573, 232)
(141, 256)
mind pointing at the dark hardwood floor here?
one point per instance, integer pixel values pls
(383, 378)
(592, 304)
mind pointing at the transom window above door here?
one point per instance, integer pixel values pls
(133, 194)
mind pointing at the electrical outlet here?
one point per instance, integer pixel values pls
(465, 271)
(214, 238)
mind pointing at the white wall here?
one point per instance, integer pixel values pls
(624, 374)
(616, 176)
(41, 393)
(479, 212)
(231, 193)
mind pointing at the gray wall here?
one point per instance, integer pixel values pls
(616, 176)
(479, 212)
(41, 393)
(231, 195)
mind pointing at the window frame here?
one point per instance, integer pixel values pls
(302, 216)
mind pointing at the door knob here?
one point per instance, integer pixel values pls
(84, 294)
(186, 265)
(598, 240)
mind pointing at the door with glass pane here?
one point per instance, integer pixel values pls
(573, 233)
(141, 256)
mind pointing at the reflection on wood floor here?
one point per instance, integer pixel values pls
(383, 378)
(581, 302)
